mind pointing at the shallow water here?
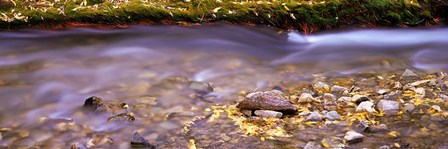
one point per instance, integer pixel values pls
(45, 76)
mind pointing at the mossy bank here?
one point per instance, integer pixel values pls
(306, 16)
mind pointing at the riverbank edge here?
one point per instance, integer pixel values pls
(306, 16)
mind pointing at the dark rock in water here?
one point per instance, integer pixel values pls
(122, 117)
(138, 142)
(269, 100)
(95, 104)
(201, 88)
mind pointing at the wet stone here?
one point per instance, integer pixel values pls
(382, 128)
(321, 87)
(344, 99)
(247, 112)
(312, 145)
(314, 116)
(122, 117)
(268, 113)
(388, 106)
(381, 92)
(363, 125)
(409, 76)
(353, 137)
(444, 97)
(436, 108)
(397, 85)
(332, 115)
(329, 101)
(225, 137)
(359, 98)
(95, 104)
(269, 100)
(138, 142)
(306, 98)
(420, 92)
(304, 113)
(408, 107)
(338, 90)
(201, 88)
(147, 100)
(365, 106)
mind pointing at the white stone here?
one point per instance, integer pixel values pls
(388, 105)
(344, 99)
(353, 137)
(336, 89)
(365, 106)
(420, 92)
(306, 98)
(382, 91)
(268, 113)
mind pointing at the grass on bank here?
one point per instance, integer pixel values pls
(304, 15)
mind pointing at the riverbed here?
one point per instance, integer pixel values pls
(45, 77)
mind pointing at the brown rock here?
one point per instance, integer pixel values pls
(269, 100)
(95, 104)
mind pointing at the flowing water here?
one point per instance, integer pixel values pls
(45, 76)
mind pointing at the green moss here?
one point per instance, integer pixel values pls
(426, 14)
(94, 2)
(299, 14)
(393, 17)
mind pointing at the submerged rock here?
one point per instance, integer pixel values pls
(353, 137)
(312, 145)
(313, 116)
(122, 117)
(201, 88)
(268, 100)
(363, 125)
(139, 142)
(382, 128)
(409, 76)
(95, 104)
(332, 115)
(268, 113)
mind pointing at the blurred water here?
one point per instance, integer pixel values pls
(50, 73)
